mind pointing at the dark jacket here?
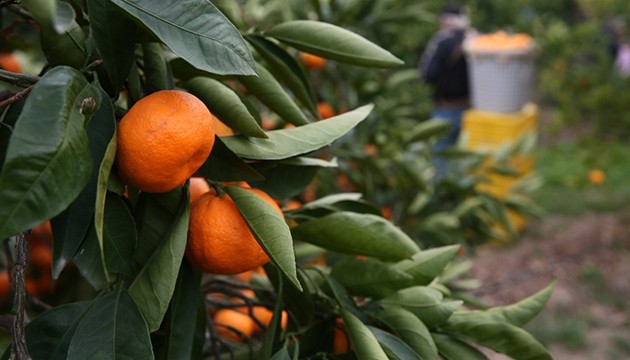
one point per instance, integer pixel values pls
(444, 66)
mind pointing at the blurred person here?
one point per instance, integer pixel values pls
(443, 66)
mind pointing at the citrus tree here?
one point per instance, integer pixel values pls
(137, 156)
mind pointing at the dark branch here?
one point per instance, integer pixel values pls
(18, 349)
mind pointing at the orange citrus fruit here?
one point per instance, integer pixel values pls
(312, 61)
(340, 344)
(9, 62)
(596, 177)
(219, 239)
(163, 139)
(41, 233)
(225, 319)
(264, 315)
(325, 110)
(198, 186)
(40, 256)
(5, 285)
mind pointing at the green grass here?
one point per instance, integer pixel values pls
(564, 170)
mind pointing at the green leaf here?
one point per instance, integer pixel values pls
(154, 67)
(410, 330)
(426, 265)
(153, 287)
(112, 328)
(71, 226)
(269, 228)
(197, 31)
(426, 130)
(362, 234)
(48, 335)
(300, 304)
(287, 69)
(272, 336)
(501, 337)
(282, 354)
(104, 172)
(287, 143)
(154, 214)
(115, 36)
(48, 160)
(186, 297)
(225, 104)
(424, 302)
(365, 344)
(283, 181)
(89, 259)
(369, 277)
(224, 165)
(332, 42)
(67, 48)
(451, 348)
(517, 314)
(271, 93)
(394, 347)
(119, 236)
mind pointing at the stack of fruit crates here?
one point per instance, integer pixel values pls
(487, 132)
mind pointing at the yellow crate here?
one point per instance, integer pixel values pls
(482, 130)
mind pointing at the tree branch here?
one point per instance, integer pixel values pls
(19, 350)
(18, 79)
(17, 97)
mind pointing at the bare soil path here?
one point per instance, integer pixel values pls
(588, 315)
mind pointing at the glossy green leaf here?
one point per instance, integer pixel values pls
(363, 340)
(332, 42)
(153, 287)
(48, 335)
(269, 228)
(517, 314)
(89, 259)
(286, 143)
(68, 48)
(180, 327)
(451, 348)
(71, 226)
(283, 181)
(343, 298)
(104, 172)
(154, 214)
(271, 340)
(197, 31)
(271, 93)
(369, 277)
(300, 304)
(282, 354)
(501, 337)
(426, 130)
(119, 236)
(112, 328)
(225, 104)
(48, 161)
(115, 36)
(426, 265)
(410, 330)
(393, 346)
(286, 69)
(154, 67)
(425, 302)
(353, 233)
(224, 165)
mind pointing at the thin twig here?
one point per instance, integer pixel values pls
(18, 79)
(18, 348)
(17, 97)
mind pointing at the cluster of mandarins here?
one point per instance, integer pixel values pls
(501, 40)
(162, 141)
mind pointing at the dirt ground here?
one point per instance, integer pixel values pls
(588, 316)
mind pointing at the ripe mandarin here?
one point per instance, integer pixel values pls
(163, 139)
(219, 239)
(311, 61)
